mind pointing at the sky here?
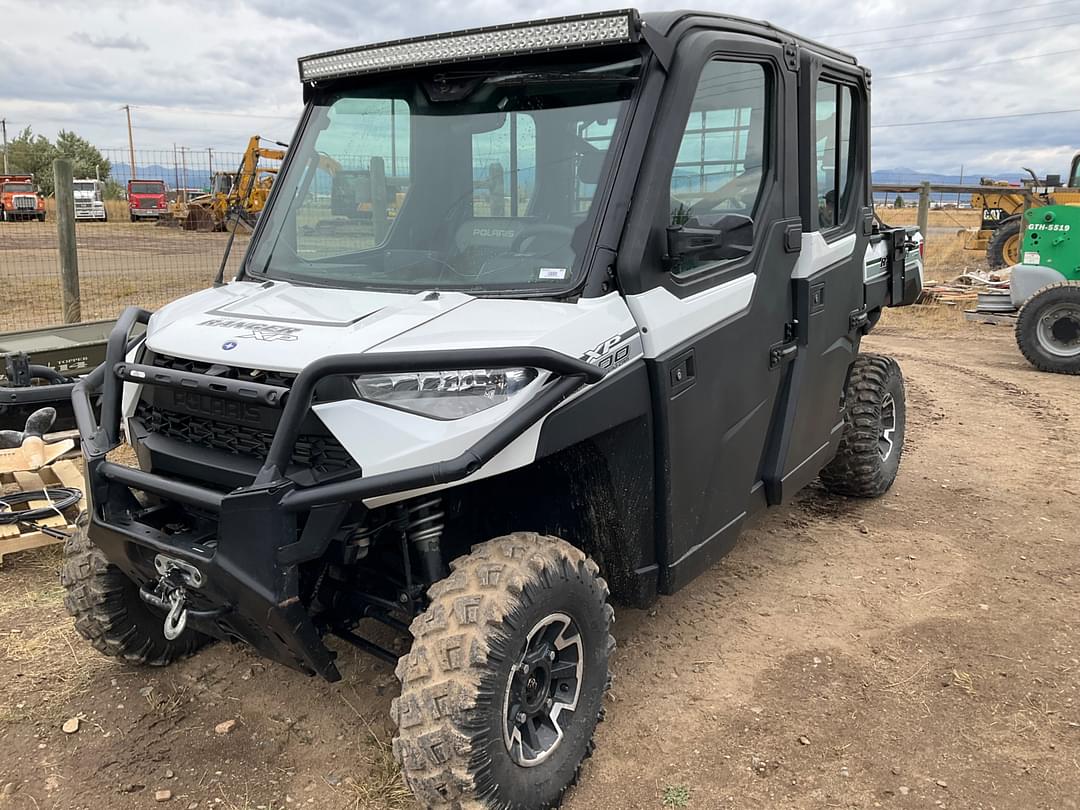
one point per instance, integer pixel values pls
(210, 73)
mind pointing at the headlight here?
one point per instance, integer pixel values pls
(445, 394)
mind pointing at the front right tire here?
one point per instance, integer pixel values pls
(504, 684)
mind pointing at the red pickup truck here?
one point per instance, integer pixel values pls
(146, 199)
(19, 198)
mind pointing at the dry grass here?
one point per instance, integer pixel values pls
(939, 217)
(927, 318)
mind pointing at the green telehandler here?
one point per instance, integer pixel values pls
(1044, 291)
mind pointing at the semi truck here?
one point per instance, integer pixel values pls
(147, 199)
(20, 198)
(90, 200)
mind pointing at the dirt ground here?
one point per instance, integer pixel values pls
(918, 651)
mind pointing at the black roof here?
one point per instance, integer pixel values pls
(668, 23)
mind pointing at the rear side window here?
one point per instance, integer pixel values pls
(833, 137)
(721, 161)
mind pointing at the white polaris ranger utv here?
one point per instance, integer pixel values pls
(533, 311)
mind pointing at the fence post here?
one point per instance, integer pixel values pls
(924, 208)
(497, 190)
(379, 222)
(70, 298)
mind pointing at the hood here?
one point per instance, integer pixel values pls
(280, 327)
(276, 326)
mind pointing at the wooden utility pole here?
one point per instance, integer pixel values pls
(131, 141)
(380, 224)
(3, 126)
(70, 300)
(924, 208)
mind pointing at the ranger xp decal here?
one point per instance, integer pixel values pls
(257, 331)
(606, 355)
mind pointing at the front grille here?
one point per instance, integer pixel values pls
(26, 202)
(323, 454)
(279, 378)
(146, 203)
(316, 450)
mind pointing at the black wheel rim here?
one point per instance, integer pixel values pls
(886, 441)
(542, 690)
(1059, 330)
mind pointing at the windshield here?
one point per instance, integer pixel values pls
(146, 188)
(84, 187)
(28, 187)
(449, 180)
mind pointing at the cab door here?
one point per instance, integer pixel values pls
(714, 322)
(828, 279)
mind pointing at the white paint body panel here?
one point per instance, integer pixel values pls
(668, 320)
(328, 322)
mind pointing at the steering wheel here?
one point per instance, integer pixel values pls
(540, 229)
(738, 194)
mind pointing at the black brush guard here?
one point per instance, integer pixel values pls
(249, 559)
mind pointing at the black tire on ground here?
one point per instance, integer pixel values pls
(134, 218)
(109, 613)
(1003, 249)
(483, 681)
(1048, 328)
(872, 443)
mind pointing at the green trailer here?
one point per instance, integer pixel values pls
(38, 368)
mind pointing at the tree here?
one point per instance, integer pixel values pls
(898, 202)
(88, 160)
(32, 154)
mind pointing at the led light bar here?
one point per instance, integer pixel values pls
(540, 36)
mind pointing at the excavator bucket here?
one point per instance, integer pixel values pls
(200, 219)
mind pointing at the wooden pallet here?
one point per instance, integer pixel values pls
(15, 537)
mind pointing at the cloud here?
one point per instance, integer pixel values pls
(208, 73)
(124, 42)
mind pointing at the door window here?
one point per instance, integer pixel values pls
(720, 165)
(833, 136)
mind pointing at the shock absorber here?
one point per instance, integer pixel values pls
(424, 524)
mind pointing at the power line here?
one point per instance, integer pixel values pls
(959, 68)
(1010, 32)
(166, 108)
(1011, 27)
(975, 118)
(945, 19)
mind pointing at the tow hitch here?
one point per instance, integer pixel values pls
(170, 594)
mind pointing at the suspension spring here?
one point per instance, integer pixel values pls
(424, 524)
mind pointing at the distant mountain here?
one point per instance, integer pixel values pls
(915, 176)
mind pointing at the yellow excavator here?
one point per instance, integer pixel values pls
(241, 193)
(1001, 231)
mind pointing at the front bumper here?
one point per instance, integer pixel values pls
(246, 543)
(147, 212)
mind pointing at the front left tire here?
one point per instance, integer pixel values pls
(504, 684)
(109, 613)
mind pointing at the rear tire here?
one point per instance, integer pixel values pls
(1003, 249)
(875, 412)
(504, 684)
(109, 613)
(1048, 328)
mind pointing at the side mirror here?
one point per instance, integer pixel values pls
(730, 236)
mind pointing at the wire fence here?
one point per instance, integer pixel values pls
(132, 256)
